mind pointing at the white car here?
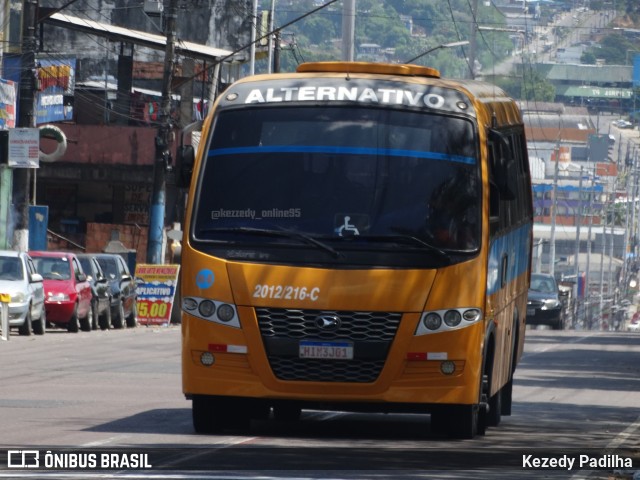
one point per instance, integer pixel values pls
(19, 279)
(622, 123)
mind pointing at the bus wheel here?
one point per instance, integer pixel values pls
(215, 414)
(491, 412)
(457, 421)
(494, 415)
(507, 396)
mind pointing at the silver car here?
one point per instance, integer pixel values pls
(19, 279)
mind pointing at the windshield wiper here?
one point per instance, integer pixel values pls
(404, 239)
(276, 233)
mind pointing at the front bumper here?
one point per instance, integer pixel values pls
(59, 312)
(17, 313)
(543, 317)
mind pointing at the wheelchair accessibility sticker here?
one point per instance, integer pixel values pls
(349, 225)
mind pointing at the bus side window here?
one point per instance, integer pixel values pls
(506, 176)
(494, 208)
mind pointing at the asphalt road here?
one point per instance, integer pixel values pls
(576, 393)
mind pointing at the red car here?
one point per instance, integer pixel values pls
(66, 289)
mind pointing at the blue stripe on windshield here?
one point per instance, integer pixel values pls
(391, 152)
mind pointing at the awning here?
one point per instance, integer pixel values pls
(137, 37)
(595, 92)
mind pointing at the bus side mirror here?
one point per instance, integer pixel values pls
(184, 164)
(503, 165)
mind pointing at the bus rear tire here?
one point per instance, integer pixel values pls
(494, 415)
(507, 398)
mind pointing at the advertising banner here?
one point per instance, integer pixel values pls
(56, 83)
(7, 104)
(156, 288)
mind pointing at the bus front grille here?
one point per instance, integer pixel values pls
(310, 370)
(370, 334)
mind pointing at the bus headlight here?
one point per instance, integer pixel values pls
(226, 312)
(437, 321)
(432, 321)
(471, 315)
(189, 304)
(211, 310)
(207, 308)
(452, 318)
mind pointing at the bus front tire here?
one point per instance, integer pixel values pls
(214, 414)
(457, 421)
(205, 417)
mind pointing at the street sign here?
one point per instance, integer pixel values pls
(24, 148)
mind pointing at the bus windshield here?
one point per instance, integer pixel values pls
(350, 178)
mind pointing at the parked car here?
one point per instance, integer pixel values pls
(19, 279)
(123, 290)
(543, 302)
(67, 291)
(100, 290)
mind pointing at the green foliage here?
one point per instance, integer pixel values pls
(386, 23)
(588, 58)
(532, 86)
(613, 49)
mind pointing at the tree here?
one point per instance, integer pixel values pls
(318, 30)
(588, 58)
(613, 49)
(532, 86)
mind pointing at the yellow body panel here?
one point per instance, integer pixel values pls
(394, 290)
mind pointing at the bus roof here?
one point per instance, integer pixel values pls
(495, 105)
(367, 67)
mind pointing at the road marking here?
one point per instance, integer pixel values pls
(618, 440)
(106, 441)
(550, 347)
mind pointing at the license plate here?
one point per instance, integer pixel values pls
(531, 311)
(326, 350)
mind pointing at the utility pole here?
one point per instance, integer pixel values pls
(348, 30)
(473, 39)
(587, 292)
(554, 208)
(272, 38)
(254, 28)
(22, 176)
(578, 214)
(163, 144)
(276, 52)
